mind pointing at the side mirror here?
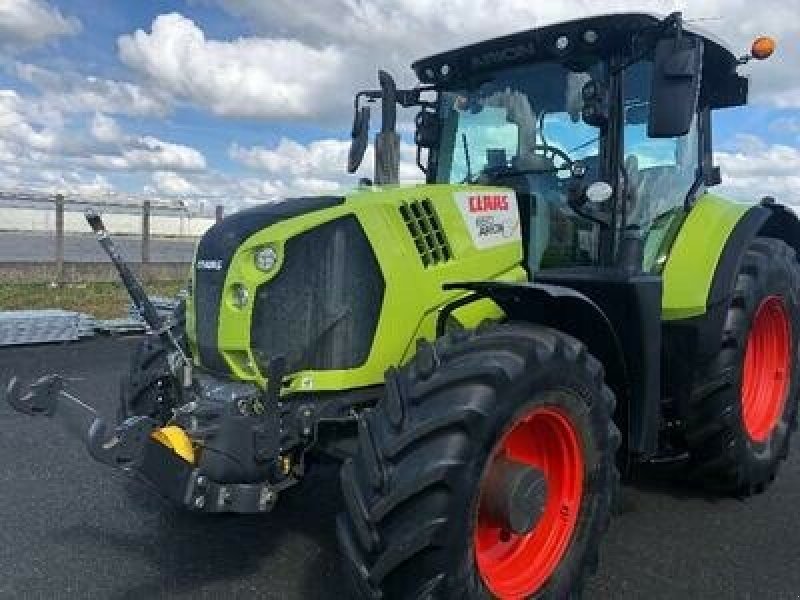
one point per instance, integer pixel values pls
(427, 129)
(360, 139)
(676, 86)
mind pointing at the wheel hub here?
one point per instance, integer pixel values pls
(514, 495)
(767, 369)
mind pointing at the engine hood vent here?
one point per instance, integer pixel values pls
(426, 230)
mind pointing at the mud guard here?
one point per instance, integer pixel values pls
(767, 219)
(616, 316)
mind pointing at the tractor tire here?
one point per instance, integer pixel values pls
(743, 405)
(419, 521)
(149, 388)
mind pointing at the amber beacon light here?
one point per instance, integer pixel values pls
(763, 47)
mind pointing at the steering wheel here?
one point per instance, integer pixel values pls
(487, 174)
(551, 152)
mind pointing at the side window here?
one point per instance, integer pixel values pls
(660, 171)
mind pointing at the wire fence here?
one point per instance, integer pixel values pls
(49, 231)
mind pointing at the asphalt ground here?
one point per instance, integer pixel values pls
(41, 247)
(70, 528)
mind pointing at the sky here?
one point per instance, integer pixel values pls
(245, 101)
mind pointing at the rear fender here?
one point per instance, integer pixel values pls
(706, 309)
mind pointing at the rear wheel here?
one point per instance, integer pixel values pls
(744, 404)
(150, 388)
(488, 472)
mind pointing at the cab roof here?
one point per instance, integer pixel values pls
(579, 40)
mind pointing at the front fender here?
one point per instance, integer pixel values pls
(579, 315)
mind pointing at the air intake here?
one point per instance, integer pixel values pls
(426, 230)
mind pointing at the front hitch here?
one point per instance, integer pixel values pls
(139, 446)
(124, 448)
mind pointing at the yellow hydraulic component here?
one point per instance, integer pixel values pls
(175, 438)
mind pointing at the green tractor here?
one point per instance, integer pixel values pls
(562, 301)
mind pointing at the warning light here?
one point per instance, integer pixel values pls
(763, 47)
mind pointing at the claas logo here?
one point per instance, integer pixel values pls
(487, 203)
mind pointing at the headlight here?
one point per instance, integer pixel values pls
(266, 258)
(239, 295)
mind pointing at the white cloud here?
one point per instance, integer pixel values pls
(82, 184)
(172, 184)
(319, 166)
(320, 158)
(105, 129)
(27, 23)
(392, 33)
(15, 126)
(55, 180)
(755, 169)
(207, 189)
(103, 146)
(247, 77)
(72, 92)
(148, 153)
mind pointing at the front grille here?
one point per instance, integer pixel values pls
(426, 231)
(322, 308)
(217, 248)
(207, 297)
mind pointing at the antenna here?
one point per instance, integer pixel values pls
(703, 19)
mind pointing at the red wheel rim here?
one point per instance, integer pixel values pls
(516, 566)
(767, 366)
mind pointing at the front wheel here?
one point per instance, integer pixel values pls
(488, 472)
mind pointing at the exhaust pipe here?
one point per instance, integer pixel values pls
(387, 142)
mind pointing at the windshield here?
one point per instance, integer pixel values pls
(525, 119)
(523, 128)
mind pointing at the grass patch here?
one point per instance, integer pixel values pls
(102, 300)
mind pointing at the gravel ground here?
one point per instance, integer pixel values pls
(71, 528)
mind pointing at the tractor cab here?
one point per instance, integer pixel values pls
(600, 125)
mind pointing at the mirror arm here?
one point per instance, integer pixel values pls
(697, 184)
(370, 95)
(673, 20)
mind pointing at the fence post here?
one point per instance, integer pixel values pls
(219, 212)
(146, 232)
(145, 238)
(59, 239)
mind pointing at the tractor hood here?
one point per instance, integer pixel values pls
(352, 283)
